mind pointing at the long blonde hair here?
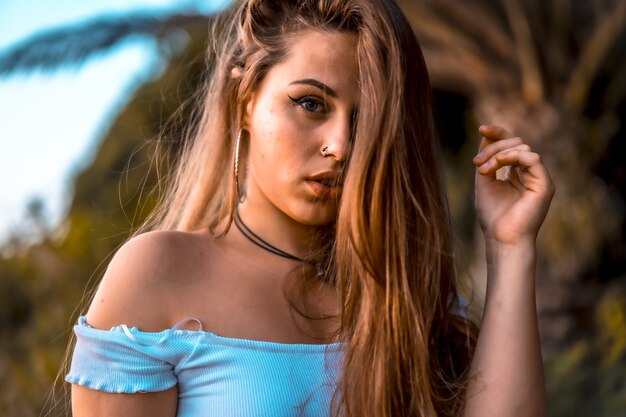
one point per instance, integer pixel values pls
(391, 251)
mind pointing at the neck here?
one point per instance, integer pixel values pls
(278, 229)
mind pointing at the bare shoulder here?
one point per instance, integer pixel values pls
(140, 281)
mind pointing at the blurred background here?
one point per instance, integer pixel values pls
(88, 90)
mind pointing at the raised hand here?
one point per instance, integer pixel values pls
(507, 373)
(510, 209)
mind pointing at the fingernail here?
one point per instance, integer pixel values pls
(485, 165)
(480, 155)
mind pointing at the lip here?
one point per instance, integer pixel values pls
(327, 176)
(326, 191)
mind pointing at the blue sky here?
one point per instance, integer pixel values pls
(51, 122)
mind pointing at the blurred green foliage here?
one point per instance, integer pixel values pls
(587, 378)
(44, 286)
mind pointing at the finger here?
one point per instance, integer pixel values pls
(531, 170)
(490, 150)
(492, 163)
(529, 162)
(514, 176)
(494, 132)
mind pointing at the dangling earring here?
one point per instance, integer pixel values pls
(239, 197)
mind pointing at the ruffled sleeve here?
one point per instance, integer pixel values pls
(123, 360)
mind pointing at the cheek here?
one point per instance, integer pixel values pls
(281, 146)
(269, 147)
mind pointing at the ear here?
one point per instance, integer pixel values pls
(247, 112)
(236, 72)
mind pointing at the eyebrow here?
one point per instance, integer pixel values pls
(310, 81)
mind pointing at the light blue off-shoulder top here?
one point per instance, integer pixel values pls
(216, 376)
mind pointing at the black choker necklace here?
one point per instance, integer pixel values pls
(254, 238)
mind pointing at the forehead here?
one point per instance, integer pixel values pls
(326, 56)
(330, 45)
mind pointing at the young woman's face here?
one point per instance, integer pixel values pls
(304, 104)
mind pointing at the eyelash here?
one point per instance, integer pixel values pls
(307, 99)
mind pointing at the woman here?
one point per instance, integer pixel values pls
(335, 291)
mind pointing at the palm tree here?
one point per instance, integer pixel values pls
(552, 72)
(42, 284)
(555, 74)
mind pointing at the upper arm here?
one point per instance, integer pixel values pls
(91, 403)
(132, 292)
(134, 289)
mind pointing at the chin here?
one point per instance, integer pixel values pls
(316, 214)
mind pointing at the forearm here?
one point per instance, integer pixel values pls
(507, 371)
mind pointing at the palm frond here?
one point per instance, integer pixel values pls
(606, 34)
(450, 52)
(479, 24)
(72, 45)
(532, 84)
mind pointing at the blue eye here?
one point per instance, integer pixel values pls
(309, 104)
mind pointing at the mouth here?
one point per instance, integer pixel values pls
(329, 183)
(326, 185)
(325, 189)
(330, 178)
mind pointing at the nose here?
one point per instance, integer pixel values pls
(339, 138)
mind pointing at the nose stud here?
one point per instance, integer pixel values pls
(324, 151)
